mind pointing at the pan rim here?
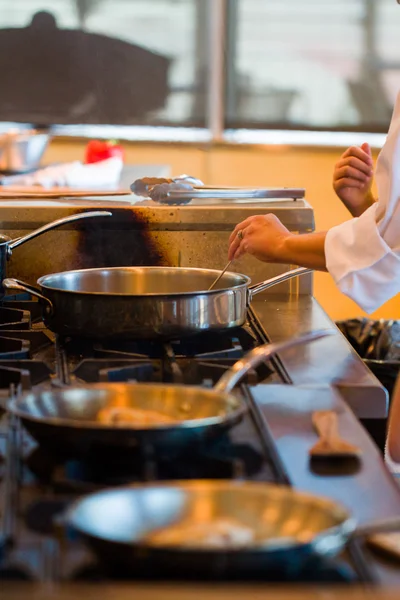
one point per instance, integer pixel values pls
(246, 282)
(345, 528)
(235, 415)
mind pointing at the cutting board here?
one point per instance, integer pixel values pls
(56, 192)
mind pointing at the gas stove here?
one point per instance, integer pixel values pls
(36, 485)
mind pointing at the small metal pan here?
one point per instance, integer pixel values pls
(161, 303)
(286, 528)
(67, 419)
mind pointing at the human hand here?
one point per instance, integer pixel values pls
(352, 179)
(262, 236)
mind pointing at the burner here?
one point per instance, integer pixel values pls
(107, 467)
(189, 371)
(204, 345)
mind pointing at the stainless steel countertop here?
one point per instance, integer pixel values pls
(329, 362)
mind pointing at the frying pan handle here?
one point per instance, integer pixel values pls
(15, 284)
(264, 285)
(263, 353)
(54, 225)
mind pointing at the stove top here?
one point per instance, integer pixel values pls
(36, 485)
(32, 356)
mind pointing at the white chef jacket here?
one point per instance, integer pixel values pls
(363, 254)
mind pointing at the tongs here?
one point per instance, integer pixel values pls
(184, 188)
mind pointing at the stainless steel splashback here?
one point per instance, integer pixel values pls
(145, 233)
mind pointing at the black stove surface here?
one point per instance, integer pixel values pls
(36, 485)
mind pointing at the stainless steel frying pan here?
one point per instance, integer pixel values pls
(67, 419)
(286, 528)
(144, 302)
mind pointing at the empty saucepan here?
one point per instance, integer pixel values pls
(145, 302)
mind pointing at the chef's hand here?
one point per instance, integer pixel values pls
(263, 236)
(352, 179)
(267, 239)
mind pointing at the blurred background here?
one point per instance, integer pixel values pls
(235, 92)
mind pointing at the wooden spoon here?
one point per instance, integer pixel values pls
(330, 444)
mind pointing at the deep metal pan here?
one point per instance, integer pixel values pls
(287, 529)
(7, 245)
(67, 419)
(144, 302)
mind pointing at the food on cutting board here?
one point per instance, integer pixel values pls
(133, 416)
(219, 533)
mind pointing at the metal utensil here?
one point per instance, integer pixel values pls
(288, 527)
(67, 419)
(214, 283)
(157, 302)
(237, 193)
(330, 443)
(7, 245)
(185, 188)
(166, 193)
(141, 187)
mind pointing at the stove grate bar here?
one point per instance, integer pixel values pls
(172, 363)
(62, 370)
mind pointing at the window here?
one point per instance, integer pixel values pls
(312, 64)
(289, 64)
(103, 61)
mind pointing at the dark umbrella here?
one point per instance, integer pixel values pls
(52, 75)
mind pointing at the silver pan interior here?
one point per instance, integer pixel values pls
(278, 516)
(80, 406)
(141, 281)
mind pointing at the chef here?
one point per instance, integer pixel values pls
(362, 254)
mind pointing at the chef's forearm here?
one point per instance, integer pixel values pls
(305, 250)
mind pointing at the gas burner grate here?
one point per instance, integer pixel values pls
(24, 372)
(14, 348)
(203, 345)
(101, 468)
(25, 303)
(11, 318)
(188, 371)
(114, 370)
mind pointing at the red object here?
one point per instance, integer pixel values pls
(97, 150)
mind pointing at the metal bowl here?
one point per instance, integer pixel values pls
(22, 151)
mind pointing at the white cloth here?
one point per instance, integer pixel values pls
(100, 175)
(363, 254)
